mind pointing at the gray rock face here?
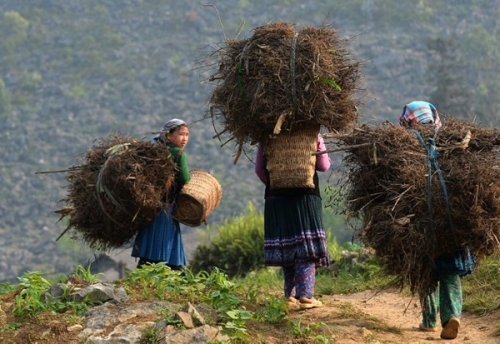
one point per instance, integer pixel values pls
(114, 320)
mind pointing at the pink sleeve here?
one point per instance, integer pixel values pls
(260, 165)
(322, 160)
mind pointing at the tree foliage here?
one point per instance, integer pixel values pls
(4, 100)
(237, 247)
(14, 29)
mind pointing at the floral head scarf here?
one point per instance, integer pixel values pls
(420, 112)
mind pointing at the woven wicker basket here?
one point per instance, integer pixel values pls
(290, 161)
(197, 199)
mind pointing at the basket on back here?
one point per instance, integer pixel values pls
(197, 199)
(290, 159)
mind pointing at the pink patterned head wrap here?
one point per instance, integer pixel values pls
(419, 112)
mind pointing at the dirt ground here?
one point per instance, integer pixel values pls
(389, 317)
(368, 317)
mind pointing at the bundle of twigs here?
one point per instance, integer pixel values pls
(120, 184)
(411, 219)
(281, 77)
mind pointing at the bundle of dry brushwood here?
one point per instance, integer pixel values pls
(410, 215)
(280, 78)
(120, 184)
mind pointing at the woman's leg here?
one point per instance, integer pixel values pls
(289, 281)
(305, 278)
(429, 302)
(450, 296)
(451, 305)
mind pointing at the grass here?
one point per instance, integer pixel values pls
(247, 308)
(481, 288)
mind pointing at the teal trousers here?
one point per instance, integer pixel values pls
(443, 301)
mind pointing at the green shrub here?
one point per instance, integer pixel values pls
(237, 247)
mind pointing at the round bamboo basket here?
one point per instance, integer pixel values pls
(197, 199)
(290, 159)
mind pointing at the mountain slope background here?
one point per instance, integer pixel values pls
(72, 72)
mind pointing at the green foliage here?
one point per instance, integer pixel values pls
(33, 296)
(480, 290)
(77, 91)
(214, 289)
(353, 268)
(253, 298)
(236, 325)
(307, 331)
(273, 309)
(451, 92)
(6, 288)
(236, 248)
(161, 282)
(30, 81)
(331, 82)
(13, 30)
(4, 100)
(333, 215)
(86, 275)
(29, 301)
(150, 336)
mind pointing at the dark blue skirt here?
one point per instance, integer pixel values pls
(294, 230)
(160, 240)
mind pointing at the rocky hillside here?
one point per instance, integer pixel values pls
(72, 72)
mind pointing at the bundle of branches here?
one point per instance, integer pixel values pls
(412, 215)
(120, 184)
(281, 77)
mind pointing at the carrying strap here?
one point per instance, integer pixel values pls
(101, 186)
(293, 53)
(432, 160)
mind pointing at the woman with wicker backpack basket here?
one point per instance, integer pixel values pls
(160, 241)
(294, 232)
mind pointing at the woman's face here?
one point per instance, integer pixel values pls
(179, 137)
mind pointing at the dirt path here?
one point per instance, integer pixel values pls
(388, 317)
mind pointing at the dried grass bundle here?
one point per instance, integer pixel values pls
(280, 75)
(120, 184)
(408, 221)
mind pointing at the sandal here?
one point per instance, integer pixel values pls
(423, 328)
(306, 303)
(450, 330)
(292, 303)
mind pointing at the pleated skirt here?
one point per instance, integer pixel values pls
(294, 230)
(161, 240)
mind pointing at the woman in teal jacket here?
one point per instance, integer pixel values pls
(160, 241)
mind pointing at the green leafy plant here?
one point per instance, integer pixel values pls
(29, 300)
(273, 310)
(331, 82)
(34, 297)
(237, 247)
(150, 336)
(236, 326)
(86, 275)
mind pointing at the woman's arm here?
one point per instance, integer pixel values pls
(322, 160)
(183, 172)
(260, 165)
